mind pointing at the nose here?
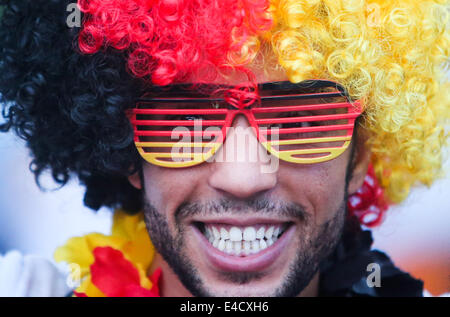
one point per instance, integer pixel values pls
(240, 168)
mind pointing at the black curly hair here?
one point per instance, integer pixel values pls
(68, 107)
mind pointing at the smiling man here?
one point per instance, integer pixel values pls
(231, 227)
(248, 140)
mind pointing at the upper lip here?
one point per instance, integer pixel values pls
(242, 222)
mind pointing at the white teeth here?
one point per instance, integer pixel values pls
(269, 232)
(260, 233)
(262, 244)
(255, 246)
(237, 246)
(224, 234)
(215, 233)
(235, 234)
(242, 241)
(249, 234)
(221, 245)
(247, 247)
(276, 231)
(229, 246)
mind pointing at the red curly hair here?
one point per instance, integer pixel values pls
(170, 39)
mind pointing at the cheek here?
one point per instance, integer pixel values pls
(320, 188)
(168, 188)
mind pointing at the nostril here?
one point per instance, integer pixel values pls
(241, 180)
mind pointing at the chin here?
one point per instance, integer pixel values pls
(239, 254)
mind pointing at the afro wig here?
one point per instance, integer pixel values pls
(66, 90)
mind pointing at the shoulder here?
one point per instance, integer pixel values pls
(30, 276)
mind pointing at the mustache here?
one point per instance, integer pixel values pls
(231, 207)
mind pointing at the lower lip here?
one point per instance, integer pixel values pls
(252, 263)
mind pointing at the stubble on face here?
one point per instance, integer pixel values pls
(315, 242)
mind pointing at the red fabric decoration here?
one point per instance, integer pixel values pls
(115, 276)
(368, 203)
(78, 294)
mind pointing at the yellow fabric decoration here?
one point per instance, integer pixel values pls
(128, 235)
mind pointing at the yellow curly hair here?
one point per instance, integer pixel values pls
(394, 55)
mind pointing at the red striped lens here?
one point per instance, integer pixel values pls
(309, 122)
(178, 132)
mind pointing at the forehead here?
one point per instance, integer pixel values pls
(260, 72)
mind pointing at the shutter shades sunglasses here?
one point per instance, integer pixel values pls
(308, 122)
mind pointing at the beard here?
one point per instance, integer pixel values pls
(316, 243)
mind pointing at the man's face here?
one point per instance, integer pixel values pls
(285, 222)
